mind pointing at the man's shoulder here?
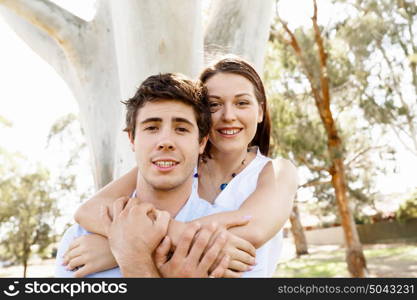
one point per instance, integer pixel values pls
(70, 234)
(75, 230)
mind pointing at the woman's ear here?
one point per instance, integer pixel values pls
(260, 113)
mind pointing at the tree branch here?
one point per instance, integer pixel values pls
(310, 166)
(57, 22)
(324, 104)
(53, 33)
(314, 182)
(240, 27)
(347, 164)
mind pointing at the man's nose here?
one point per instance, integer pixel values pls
(166, 141)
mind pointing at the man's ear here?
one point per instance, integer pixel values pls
(203, 144)
(131, 140)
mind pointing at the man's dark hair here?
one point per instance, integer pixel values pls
(173, 86)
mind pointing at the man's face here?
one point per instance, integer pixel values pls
(166, 143)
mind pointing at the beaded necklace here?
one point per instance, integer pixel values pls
(238, 169)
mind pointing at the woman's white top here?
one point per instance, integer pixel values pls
(231, 198)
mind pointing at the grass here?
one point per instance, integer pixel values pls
(383, 260)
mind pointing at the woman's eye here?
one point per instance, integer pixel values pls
(214, 106)
(242, 103)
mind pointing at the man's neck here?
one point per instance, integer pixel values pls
(169, 200)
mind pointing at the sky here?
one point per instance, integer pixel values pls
(33, 96)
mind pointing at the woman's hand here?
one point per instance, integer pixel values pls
(241, 255)
(89, 254)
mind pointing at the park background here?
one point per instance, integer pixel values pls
(45, 164)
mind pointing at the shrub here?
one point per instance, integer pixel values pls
(408, 210)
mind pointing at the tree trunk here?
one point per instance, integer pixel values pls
(354, 255)
(321, 92)
(240, 27)
(25, 267)
(103, 61)
(163, 36)
(297, 231)
(82, 53)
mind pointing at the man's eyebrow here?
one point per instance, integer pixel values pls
(182, 120)
(149, 120)
(237, 95)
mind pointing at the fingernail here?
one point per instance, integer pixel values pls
(247, 217)
(250, 268)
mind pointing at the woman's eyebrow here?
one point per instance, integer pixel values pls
(243, 94)
(237, 95)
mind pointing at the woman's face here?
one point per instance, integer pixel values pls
(235, 112)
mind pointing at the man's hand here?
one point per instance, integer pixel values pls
(134, 233)
(191, 257)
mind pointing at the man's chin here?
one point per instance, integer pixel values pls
(165, 186)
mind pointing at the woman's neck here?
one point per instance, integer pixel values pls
(226, 163)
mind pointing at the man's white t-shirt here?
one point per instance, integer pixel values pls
(193, 208)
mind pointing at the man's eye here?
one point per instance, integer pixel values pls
(151, 128)
(182, 129)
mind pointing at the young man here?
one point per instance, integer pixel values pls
(167, 122)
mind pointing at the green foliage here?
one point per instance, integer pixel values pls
(382, 40)
(408, 210)
(5, 122)
(61, 125)
(29, 206)
(368, 49)
(298, 132)
(28, 213)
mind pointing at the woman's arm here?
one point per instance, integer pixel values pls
(88, 214)
(269, 205)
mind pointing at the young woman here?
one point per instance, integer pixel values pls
(234, 174)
